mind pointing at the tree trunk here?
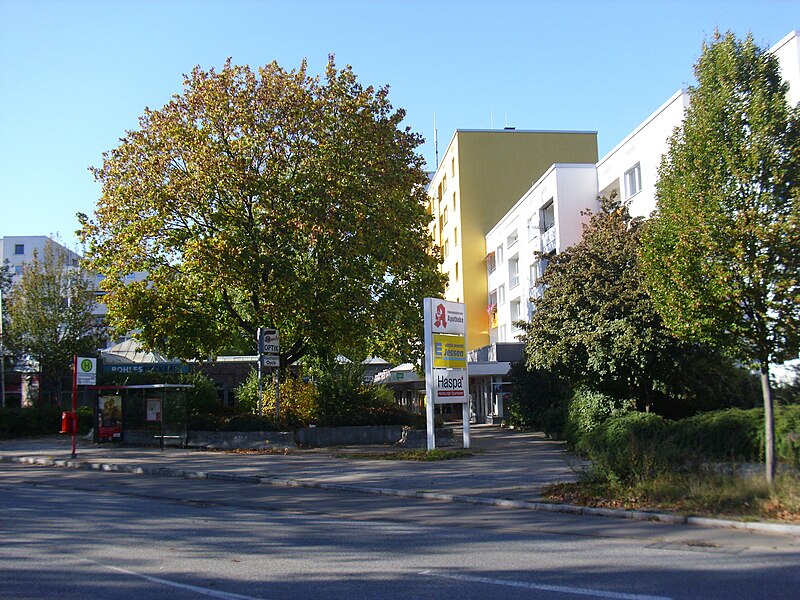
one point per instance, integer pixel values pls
(769, 424)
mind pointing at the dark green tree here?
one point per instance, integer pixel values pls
(50, 315)
(596, 326)
(721, 258)
(268, 198)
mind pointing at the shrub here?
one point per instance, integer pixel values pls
(787, 434)
(726, 435)
(298, 400)
(249, 423)
(534, 394)
(344, 399)
(29, 421)
(202, 398)
(587, 410)
(630, 447)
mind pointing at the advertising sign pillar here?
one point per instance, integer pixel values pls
(446, 377)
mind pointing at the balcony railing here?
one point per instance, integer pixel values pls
(549, 240)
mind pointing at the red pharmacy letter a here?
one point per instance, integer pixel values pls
(441, 316)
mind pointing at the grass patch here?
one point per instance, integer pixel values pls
(418, 455)
(708, 495)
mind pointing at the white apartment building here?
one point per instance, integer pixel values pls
(19, 249)
(547, 219)
(631, 167)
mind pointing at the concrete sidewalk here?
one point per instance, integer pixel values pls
(508, 470)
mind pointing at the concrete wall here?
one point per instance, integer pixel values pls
(342, 436)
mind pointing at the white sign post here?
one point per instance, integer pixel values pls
(446, 377)
(269, 351)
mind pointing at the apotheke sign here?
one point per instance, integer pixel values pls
(448, 317)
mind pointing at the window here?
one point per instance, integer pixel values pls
(493, 298)
(515, 306)
(444, 216)
(456, 271)
(633, 181)
(512, 238)
(533, 228)
(513, 272)
(17, 270)
(446, 248)
(491, 264)
(455, 237)
(454, 200)
(19, 248)
(444, 183)
(498, 255)
(501, 295)
(453, 166)
(501, 334)
(548, 216)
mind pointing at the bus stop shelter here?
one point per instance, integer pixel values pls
(141, 414)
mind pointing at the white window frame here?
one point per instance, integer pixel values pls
(633, 180)
(513, 272)
(512, 238)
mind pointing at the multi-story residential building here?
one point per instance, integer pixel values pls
(19, 249)
(483, 173)
(631, 167)
(545, 220)
(788, 53)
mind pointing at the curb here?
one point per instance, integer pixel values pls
(635, 515)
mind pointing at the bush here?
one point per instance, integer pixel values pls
(298, 400)
(29, 421)
(535, 393)
(249, 423)
(787, 434)
(728, 435)
(628, 448)
(632, 447)
(587, 410)
(344, 399)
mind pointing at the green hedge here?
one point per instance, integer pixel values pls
(46, 420)
(634, 446)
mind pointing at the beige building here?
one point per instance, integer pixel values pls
(482, 174)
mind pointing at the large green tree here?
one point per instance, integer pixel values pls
(595, 325)
(50, 315)
(268, 198)
(722, 257)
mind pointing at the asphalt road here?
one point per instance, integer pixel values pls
(78, 534)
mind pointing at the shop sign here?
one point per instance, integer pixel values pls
(451, 386)
(449, 351)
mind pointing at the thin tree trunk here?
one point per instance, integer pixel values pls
(769, 424)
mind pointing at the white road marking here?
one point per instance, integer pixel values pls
(543, 587)
(183, 586)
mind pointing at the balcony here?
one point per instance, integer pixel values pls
(549, 240)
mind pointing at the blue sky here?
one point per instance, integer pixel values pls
(75, 75)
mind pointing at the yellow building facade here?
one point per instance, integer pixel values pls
(481, 175)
